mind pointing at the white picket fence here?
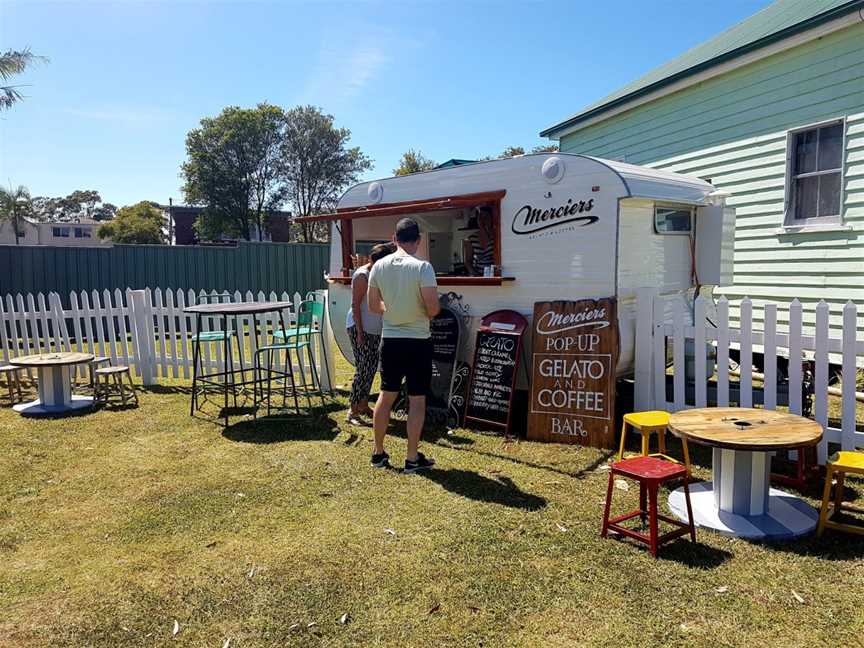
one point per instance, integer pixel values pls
(654, 334)
(146, 330)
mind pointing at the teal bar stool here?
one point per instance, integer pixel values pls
(215, 337)
(296, 340)
(312, 324)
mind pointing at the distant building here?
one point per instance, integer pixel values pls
(182, 226)
(81, 233)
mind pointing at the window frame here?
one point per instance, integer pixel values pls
(789, 219)
(82, 233)
(690, 208)
(60, 232)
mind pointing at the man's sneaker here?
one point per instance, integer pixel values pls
(380, 460)
(422, 463)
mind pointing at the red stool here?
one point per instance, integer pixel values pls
(650, 472)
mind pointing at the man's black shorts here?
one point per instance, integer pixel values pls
(406, 358)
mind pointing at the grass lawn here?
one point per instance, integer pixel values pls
(116, 524)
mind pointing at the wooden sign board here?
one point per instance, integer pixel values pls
(575, 352)
(496, 360)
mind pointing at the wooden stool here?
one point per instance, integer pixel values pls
(649, 423)
(650, 472)
(837, 466)
(12, 381)
(105, 390)
(93, 365)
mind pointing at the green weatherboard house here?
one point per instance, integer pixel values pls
(772, 112)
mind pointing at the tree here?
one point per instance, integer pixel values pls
(14, 62)
(14, 207)
(234, 169)
(81, 203)
(512, 151)
(317, 165)
(140, 223)
(545, 148)
(413, 161)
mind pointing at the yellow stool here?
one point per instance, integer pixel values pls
(649, 423)
(838, 465)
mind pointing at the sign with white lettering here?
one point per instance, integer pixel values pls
(496, 361)
(575, 353)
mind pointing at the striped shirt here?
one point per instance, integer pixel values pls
(483, 256)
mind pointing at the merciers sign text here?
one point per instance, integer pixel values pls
(573, 364)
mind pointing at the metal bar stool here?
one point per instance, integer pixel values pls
(298, 342)
(313, 325)
(217, 336)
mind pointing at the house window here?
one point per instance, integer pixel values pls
(673, 220)
(60, 232)
(82, 232)
(814, 187)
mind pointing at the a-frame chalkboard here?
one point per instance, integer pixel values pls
(497, 351)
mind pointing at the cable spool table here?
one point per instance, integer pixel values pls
(739, 500)
(55, 383)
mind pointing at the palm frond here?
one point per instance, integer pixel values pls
(14, 62)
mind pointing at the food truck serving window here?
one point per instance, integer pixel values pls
(460, 235)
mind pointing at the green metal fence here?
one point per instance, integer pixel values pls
(291, 267)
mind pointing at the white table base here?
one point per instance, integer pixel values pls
(740, 501)
(55, 394)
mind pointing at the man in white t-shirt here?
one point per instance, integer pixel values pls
(404, 290)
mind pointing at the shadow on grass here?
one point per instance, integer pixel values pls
(279, 429)
(469, 484)
(431, 434)
(165, 389)
(833, 545)
(695, 555)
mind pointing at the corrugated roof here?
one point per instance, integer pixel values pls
(779, 20)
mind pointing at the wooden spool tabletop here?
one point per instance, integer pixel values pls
(59, 359)
(743, 428)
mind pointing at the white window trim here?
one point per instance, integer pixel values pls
(815, 223)
(689, 208)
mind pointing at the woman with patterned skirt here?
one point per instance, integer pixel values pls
(364, 329)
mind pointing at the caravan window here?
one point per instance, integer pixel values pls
(814, 174)
(673, 220)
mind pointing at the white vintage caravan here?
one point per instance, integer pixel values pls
(566, 227)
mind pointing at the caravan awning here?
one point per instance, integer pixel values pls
(410, 207)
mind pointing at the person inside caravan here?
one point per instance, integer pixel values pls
(364, 331)
(478, 249)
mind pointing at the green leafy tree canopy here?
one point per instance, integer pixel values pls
(317, 165)
(139, 223)
(234, 168)
(82, 203)
(413, 161)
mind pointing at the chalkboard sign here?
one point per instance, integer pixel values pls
(496, 360)
(573, 363)
(445, 332)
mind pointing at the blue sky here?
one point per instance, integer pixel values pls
(126, 81)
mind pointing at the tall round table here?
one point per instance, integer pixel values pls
(55, 383)
(739, 500)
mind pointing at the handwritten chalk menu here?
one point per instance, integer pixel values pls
(496, 360)
(573, 362)
(445, 344)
